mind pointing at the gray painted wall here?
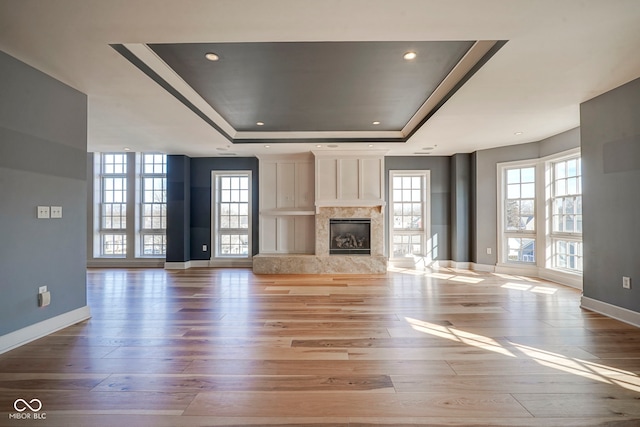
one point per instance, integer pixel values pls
(460, 207)
(43, 145)
(440, 168)
(485, 197)
(610, 135)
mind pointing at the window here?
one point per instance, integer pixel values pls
(541, 214)
(519, 214)
(566, 214)
(113, 206)
(409, 219)
(232, 214)
(153, 225)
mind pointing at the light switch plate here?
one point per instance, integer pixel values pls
(56, 211)
(43, 212)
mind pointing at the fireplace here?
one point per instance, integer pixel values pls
(350, 236)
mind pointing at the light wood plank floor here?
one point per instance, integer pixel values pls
(209, 347)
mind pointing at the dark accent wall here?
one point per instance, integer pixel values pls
(440, 168)
(460, 207)
(189, 181)
(43, 146)
(610, 140)
(178, 208)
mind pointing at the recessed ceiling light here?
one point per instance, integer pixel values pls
(410, 55)
(127, 149)
(376, 123)
(318, 146)
(332, 146)
(267, 146)
(260, 123)
(211, 56)
(370, 145)
(517, 133)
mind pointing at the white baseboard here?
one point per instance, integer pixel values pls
(125, 263)
(231, 262)
(38, 330)
(610, 310)
(567, 279)
(177, 265)
(487, 268)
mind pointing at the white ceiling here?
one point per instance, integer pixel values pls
(559, 54)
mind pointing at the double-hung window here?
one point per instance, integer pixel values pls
(153, 204)
(519, 214)
(232, 214)
(566, 214)
(409, 219)
(113, 205)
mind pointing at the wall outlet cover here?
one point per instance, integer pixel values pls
(42, 289)
(43, 212)
(56, 211)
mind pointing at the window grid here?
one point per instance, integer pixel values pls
(408, 214)
(113, 204)
(153, 204)
(233, 215)
(566, 214)
(520, 214)
(114, 244)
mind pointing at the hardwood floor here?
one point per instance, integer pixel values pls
(209, 347)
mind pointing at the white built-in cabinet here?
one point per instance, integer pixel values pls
(287, 216)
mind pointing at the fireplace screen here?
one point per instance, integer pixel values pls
(350, 236)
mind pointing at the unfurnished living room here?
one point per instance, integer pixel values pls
(319, 213)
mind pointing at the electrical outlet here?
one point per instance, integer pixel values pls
(56, 211)
(488, 251)
(43, 212)
(204, 248)
(42, 289)
(626, 282)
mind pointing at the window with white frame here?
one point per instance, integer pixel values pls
(113, 204)
(153, 202)
(232, 214)
(519, 214)
(409, 208)
(566, 214)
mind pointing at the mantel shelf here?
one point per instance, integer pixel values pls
(287, 212)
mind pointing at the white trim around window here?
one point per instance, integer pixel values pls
(231, 219)
(409, 211)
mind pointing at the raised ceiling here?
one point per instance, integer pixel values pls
(557, 55)
(308, 91)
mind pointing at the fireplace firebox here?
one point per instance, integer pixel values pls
(350, 236)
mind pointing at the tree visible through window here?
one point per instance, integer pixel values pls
(154, 204)
(408, 205)
(566, 217)
(113, 206)
(519, 215)
(233, 196)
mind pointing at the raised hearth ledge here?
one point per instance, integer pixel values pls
(314, 264)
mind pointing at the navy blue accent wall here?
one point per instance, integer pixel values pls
(440, 168)
(178, 208)
(201, 168)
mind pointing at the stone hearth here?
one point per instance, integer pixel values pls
(324, 263)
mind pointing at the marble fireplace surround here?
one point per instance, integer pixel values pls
(322, 262)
